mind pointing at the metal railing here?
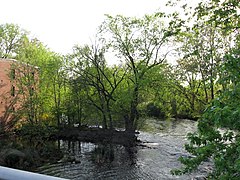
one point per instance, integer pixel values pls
(15, 174)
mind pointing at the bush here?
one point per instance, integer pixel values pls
(36, 131)
(153, 110)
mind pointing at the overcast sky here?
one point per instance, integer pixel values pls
(60, 24)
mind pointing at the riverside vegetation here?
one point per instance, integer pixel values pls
(80, 90)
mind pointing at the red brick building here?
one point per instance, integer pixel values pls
(17, 82)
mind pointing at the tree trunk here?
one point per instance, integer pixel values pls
(79, 113)
(109, 115)
(104, 123)
(131, 122)
(212, 88)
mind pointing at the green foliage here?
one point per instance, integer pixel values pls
(211, 142)
(139, 43)
(92, 93)
(223, 14)
(11, 39)
(95, 83)
(153, 110)
(217, 138)
(49, 79)
(36, 131)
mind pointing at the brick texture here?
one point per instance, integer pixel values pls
(11, 72)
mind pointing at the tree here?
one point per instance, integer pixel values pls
(186, 81)
(50, 78)
(97, 80)
(24, 87)
(75, 103)
(223, 112)
(11, 39)
(58, 82)
(40, 83)
(142, 44)
(9, 119)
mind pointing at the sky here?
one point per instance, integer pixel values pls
(61, 24)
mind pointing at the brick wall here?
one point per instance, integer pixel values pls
(5, 84)
(11, 72)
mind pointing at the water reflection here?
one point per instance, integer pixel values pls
(93, 161)
(152, 159)
(103, 153)
(21, 153)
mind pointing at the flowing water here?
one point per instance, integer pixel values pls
(153, 159)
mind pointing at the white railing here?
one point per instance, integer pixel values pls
(14, 174)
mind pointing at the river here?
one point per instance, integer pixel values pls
(153, 159)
